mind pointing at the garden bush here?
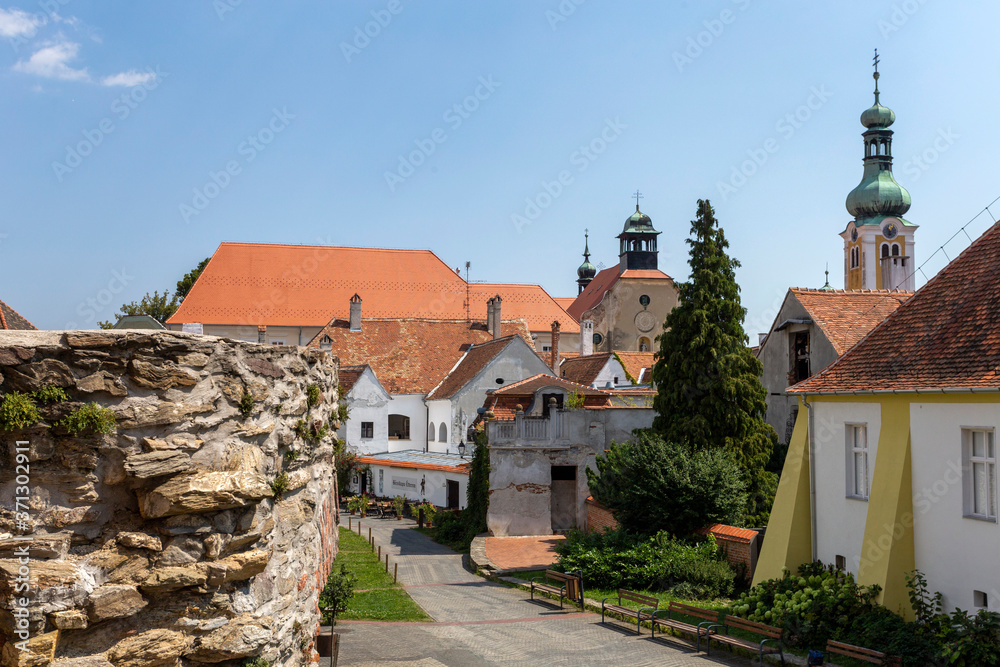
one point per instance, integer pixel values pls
(617, 559)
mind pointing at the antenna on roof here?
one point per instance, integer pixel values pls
(468, 304)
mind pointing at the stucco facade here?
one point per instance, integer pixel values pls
(368, 402)
(623, 322)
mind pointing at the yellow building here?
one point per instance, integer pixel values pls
(892, 462)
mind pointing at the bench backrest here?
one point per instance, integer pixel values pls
(859, 653)
(697, 612)
(752, 626)
(559, 576)
(647, 600)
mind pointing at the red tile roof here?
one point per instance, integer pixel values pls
(729, 533)
(347, 376)
(584, 370)
(846, 316)
(638, 365)
(604, 281)
(11, 319)
(408, 356)
(288, 285)
(947, 336)
(564, 301)
(534, 383)
(476, 358)
(504, 401)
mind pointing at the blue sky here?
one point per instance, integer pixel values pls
(137, 136)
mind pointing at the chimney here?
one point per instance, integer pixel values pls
(555, 346)
(496, 317)
(586, 338)
(261, 333)
(489, 315)
(355, 313)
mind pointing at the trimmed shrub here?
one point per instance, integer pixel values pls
(18, 411)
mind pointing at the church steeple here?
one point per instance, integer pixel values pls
(637, 242)
(587, 271)
(878, 242)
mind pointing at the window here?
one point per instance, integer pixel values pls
(325, 343)
(430, 432)
(979, 479)
(800, 357)
(368, 430)
(399, 427)
(857, 461)
(841, 562)
(885, 250)
(443, 433)
(546, 348)
(980, 600)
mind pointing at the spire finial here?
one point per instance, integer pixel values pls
(875, 62)
(638, 196)
(826, 286)
(586, 245)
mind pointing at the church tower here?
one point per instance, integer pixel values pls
(878, 242)
(637, 242)
(587, 271)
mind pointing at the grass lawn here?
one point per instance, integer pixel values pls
(376, 598)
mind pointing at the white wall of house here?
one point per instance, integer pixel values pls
(957, 554)
(613, 373)
(439, 412)
(412, 406)
(840, 520)
(398, 481)
(368, 402)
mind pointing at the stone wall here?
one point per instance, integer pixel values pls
(167, 540)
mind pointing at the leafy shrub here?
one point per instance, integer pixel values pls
(255, 662)
(50, 394)
(90, 418)
(312, 396)
(280, 485)
(18, 411)
(575, 400)
(617, 559)
(450, 528)
(246, 404)
(651, 485)
(337, 593)
(311, 431)
(343, 412)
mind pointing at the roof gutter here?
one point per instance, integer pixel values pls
(870, 392)
(789, 322)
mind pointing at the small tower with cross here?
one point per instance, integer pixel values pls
(637, 242)
(587, 271)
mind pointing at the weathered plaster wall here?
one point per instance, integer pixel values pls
(368, 402)
(617, 319)
(162, 542)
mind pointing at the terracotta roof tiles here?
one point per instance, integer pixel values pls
(584, 370)
(946, 336)
(476, 358)
(846, 316)
(639, 365)
(11, 319)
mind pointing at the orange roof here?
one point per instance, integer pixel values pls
(347, 376)
(475, 359)
(730, 533)
(536, 382)
(289, 285)
(584, 370)
(504, 401)
(528, 302)
(638, 365)
(414, 465)
(408, 356)
(11, 319)
(564, 301)
(846, 316)
(946, 336)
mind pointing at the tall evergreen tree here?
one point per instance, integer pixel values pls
(709, 392)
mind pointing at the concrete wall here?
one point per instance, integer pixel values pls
(368, 402)
(775, 355)
(615, 317)
(162, 541)
(957, 554)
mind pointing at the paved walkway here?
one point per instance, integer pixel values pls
(522, 553)
(478, 622)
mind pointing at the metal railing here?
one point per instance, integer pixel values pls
(528, 430)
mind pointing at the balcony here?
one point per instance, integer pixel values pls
(530, 431)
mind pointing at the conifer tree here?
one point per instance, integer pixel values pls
(709, 392)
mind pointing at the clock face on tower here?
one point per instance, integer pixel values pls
(890, 230)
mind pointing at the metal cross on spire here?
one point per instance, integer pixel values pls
(875, 62)
(638, 196)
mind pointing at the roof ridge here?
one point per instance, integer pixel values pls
(13, 310)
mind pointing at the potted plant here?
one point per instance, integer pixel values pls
(398, 503)
(363, 504)
(425, 512)
(353, 503)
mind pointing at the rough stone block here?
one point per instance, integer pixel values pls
(156, 464)
(245, 565)
(204, 492)
(154, 373)
(241, 637)
(140, 541)
(113, 601)
(71, 619)
(149, 649)
(173, 578)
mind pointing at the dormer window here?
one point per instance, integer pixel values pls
(325, 343)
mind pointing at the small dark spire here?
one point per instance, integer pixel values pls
(875, 61)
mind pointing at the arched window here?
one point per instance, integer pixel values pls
(443, 433)
(644, 344)
(895, 250)
(399, 427)
(430, 432)
(885, 250)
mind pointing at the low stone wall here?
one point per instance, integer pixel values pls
(200, 529)
(599, 517)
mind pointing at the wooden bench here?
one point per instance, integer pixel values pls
(567, 585)
(623, 594)
(862, 654)
(768, 632)
(708, 618)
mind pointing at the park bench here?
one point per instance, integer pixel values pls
(567, 585)
(651, 602)
(862, 654)
(768, 632)
(708, 618)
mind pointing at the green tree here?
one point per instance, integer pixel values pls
(652, 485)
(156, 305)
(185, 284)
(709, 393)
(477, 493)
